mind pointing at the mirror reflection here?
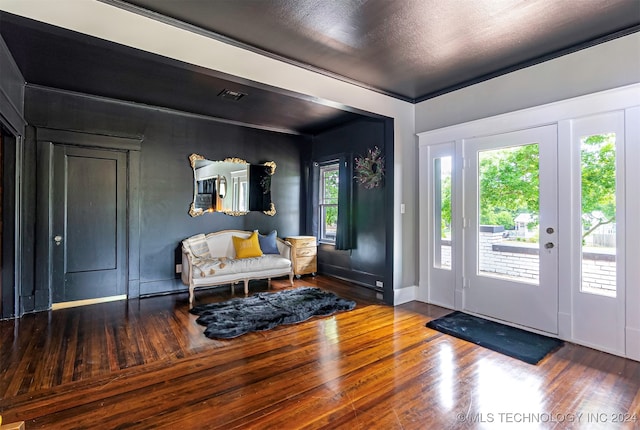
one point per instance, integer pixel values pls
(231, 186)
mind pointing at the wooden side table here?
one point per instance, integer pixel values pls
(304, 254)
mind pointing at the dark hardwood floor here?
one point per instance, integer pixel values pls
(146, 364)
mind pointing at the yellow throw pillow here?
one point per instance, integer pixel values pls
(247, 248)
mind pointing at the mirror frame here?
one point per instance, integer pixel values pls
(271, 165)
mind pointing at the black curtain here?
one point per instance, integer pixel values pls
(344, 232)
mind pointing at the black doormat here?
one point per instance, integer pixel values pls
(514, 342)
(264, 311)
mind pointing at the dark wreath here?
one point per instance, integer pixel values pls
(370, 169)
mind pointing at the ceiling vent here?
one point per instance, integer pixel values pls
(231, 95)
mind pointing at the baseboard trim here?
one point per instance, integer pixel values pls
(404, 295)
(564, 325)
(75, 303)
(633, 343)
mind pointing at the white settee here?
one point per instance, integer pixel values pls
(209, 260)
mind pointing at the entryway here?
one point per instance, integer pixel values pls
(503, 174)
(527, 217)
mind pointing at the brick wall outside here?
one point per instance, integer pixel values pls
(521, 261)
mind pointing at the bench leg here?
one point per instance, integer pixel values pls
(246, 287)
(291, 278)
(191, 295)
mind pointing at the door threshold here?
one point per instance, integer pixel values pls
(73, 304)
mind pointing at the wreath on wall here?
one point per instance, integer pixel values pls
(370, 169)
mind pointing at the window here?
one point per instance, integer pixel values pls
(598, 213)
(328, 201)
(442, 216)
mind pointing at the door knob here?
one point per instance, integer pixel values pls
(57, 240)
(549, 245)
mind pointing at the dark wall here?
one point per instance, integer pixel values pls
(7, 225)
(11, 91)
(369, 261)
(166, 180)
(12, 125)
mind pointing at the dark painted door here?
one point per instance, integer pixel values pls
(1, 242)
(89, 223)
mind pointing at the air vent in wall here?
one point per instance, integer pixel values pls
(231, 95)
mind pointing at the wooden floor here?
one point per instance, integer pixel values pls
(146, 364)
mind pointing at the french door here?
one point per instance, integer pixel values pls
(538, 228)
(510, 227)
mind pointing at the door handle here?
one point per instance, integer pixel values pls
(549, 245)
(58, 240)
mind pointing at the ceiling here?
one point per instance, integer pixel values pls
(53, 57)
(408, 49)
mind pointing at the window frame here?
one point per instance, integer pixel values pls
(328, 166)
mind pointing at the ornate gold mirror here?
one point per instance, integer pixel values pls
(231, 186)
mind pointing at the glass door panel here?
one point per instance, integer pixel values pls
(443, 227)
(509, 198)
(598, 213)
